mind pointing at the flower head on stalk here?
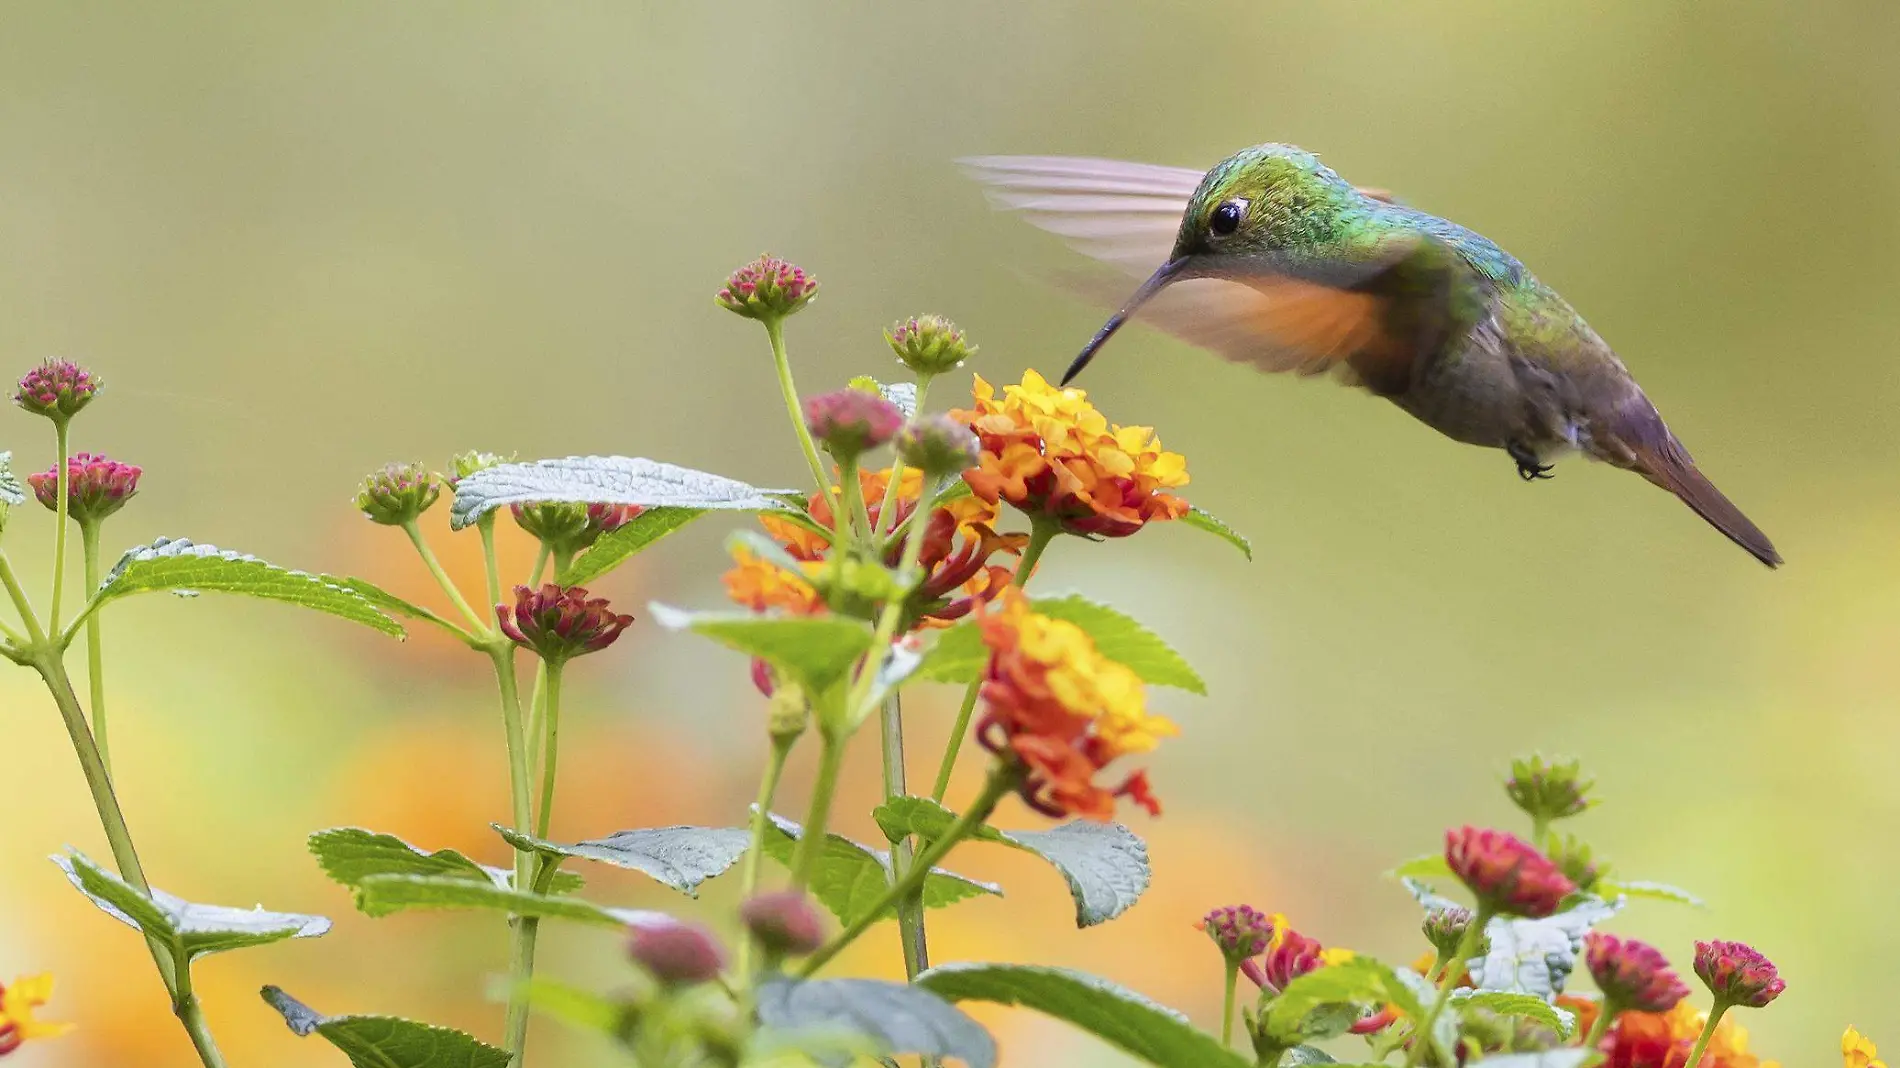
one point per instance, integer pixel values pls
(570, 526)
(96, 487)
(929, 344)
(1284, 954)
(1737, 974)
(57, 389)
(1549, 789)
(1663, 1039)
(767, 289)
(558, 623)
(1505, 873)
(676, 953)
(18, 1000)
(1632, 974)
(1051, 454)
(1063, 711)
(784, 923)
(848, 422)
(398, 493)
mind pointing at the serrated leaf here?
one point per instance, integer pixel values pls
(902, 1019)
(1105, 864)
(959, 654)
(1642, 888)
(816, 650)
(11, 491)
(351, 854)
(1563, 1057)
(1199, 519)
(852, 877)
(188, 929)
(679, 857)
(1429, 866)
(1506, 1003)
(1536, 956)
(1359, 983)
(381, 895)
(1115, 1014)
(605, 480)
(388, 602)
(181, 566)
(617, 546)
(387, 1041)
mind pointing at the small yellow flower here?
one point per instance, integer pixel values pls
(17, 1002)
(1857, 1051)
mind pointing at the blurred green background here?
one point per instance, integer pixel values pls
(300, 240)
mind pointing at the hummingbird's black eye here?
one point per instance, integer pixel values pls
(1226, 218)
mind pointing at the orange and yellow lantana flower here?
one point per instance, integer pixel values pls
(1064, 710)
(18, 999)
(1857, 1051)
(1050, 453)
(1665, 1039)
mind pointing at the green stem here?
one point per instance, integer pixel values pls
(521, 952)
(1606, 1014)
(1540, 828)
(490, 563)
(761, 818)
(540, 567)
(910, 911)
(190, 1012)
(811, 842)
(551, 750)
(1467, 945)
(21, 602)
(854, 502)
(1041, 533)
(60, 507)
(775, 332)
(1001, 781)
(482, 624)
(538, 694)
(1716, 1012)
(95, 655)
(1227, 1003)
(887, 511)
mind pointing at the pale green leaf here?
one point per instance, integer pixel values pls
(899, 1018)
(1116, 1015)
(381, 895)
(1429, 866)
(180, 566)
(11, 491)
(1641, 888)
(1530, 1006)
(351, 854)
(851, 878)
(959, 654)
(389, 602)
(387, 1041)
(605, 480)
(679, 857)
(617, 546)
(816, 650)
(1201, 520)
(903, 395)
(188, 929)
(1310, 1004)
(1536, 956)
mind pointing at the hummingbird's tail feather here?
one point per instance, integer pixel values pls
(1670, 467)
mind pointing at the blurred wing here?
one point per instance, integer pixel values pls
(1123, 214)
(1369, 318)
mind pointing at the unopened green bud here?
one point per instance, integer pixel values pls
(788, 714)
(1549, 790)
(938, 445)
(1573, 857)
(929, 344)
(397, 494)
(465, 464)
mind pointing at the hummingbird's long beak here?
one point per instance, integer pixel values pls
(1164, 274)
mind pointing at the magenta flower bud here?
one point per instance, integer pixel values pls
(57, 389)
(677, 953)
(767, 289)
(1737, 974)
(929, 344)
(849, 421)
(1241, 931)
(1506, 875)
(1632, 975)
(784, 923)
(95, 486)
(397, 494)
(560, 622)
(938, 445)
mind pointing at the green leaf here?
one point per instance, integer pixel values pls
(389, 602)
(387, 1041)
(1565, 1057)
(902, 394)
(960, 656)
(1505, 1003)
(350, 855)
(851, 878)
(190, 930)
(1116, 1015)
(11, 491)
(381, 895)
(1201, 520)
(579, 1008)
(900, 1018)
(182, 567)
(1105, 864)
(1429, 866)
(617, 546)
(1359, 983)
(1640, 888)
(816, 650)
(680, 857)
(605, 480)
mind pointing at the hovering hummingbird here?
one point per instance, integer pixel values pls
(1272, 259)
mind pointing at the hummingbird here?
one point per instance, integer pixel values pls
(1273, 260)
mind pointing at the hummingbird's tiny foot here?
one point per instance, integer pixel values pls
(1528, 468)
